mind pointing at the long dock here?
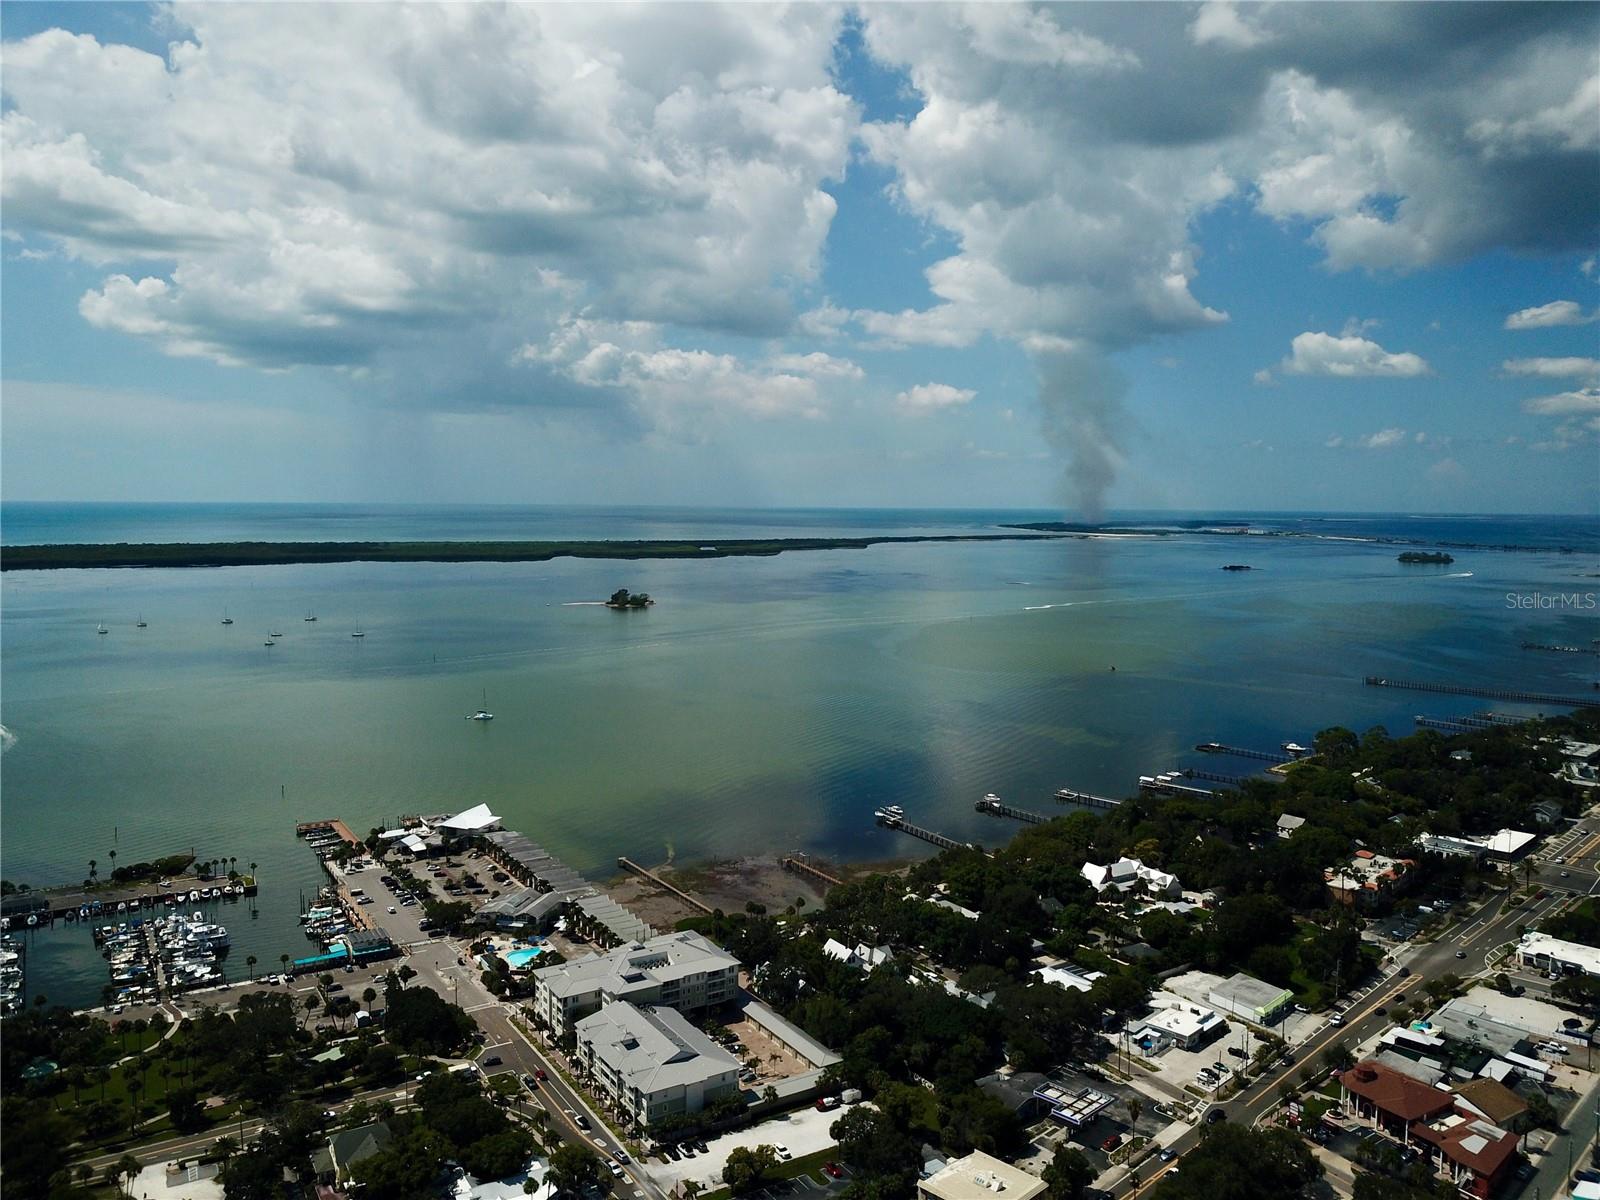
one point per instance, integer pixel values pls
(1450, 724)
(33, 909)
(938, 839)
(1228, 780)
(1488, 693)
(1167, 785)
(996, 807)
(794, 862)
(1271, 756)
(334, 826)
(1087, 799)
(627, 864)
(1561, 649)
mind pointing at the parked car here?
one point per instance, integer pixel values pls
(833, 1170)
(492, 1061)
(614, 1167)
(1167, 1154)
(783, 1153)
(827, 1103)
(1236, 1052)
(1111, 1143)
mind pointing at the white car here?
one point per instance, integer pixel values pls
(783, 1153)
(391, 909)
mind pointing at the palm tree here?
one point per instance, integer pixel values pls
(135, 1086)
(94, 868)
(250, 961)
(233, 862)
(1135, 1107)
(224, 1148)
(367, 997)
(113, 856)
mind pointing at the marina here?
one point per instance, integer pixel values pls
(36, 909)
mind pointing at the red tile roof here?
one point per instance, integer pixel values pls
(1398, 1095)
(1474, 1143)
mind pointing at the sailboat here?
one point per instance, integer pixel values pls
(102, 629)
(274, 635)
(358, 632)
(226, 619)
(311, 616)
(483, 713)
(141, 623)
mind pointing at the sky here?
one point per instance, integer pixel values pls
(1078, 256)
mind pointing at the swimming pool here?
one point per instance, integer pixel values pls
(522, 956)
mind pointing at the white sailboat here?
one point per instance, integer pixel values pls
(483, 713)
(102, 629)
(141, 623)
(226, 619)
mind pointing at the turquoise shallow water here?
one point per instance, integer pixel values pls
(762, 705)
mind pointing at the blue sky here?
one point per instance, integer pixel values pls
(1185, 256)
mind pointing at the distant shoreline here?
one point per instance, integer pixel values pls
(1216, 529)
(256, 554)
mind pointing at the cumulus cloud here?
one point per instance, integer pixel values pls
(1553, 368)
(1384, 439)
(1349, 358)
(933, 397)
(1220, 21)
(1577, 402)
(341, 189)
(1557, 312)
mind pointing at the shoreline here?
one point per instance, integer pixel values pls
(84, 556)
(1214, 529)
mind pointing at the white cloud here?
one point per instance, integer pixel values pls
(1553, 368)
(1220, 21)
(1447, 471)
(818, 365)
(1384, 439)
(1349, 358)
(933, 397)
(1557, 312)
(420, 190)
(1263, 377)
(1579, 401)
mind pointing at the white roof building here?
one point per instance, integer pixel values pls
(980, 1176)
(1188, 1025)
(1063, 975)
(652, 1063)
(466, 1187)
(1553, 954)
(1129, 874)
(1288, 823)
(862, 955)
(474, 820)
(685, 971)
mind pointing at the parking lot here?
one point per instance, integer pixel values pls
(802, 1132)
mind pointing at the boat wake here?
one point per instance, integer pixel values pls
(1459, 575)
(1042, 607)
(7, 739)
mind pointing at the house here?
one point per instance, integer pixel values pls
(1546, 953)
(347, 1147)
(684, 971)
(650, 1063)
(1367, 879)
(979, 1176)
(1476, 1154)
(468, 1187)
(862, 956)
(1065, 975)
(1288, 824)
(1251, 999)
(1546, 812)
(1493, 1101)
(1130, 875)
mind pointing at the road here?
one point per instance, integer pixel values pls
(1493, 925)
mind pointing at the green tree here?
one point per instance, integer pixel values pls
(1068, 1174)
(184, 1108)
(573, 1168)
(747, 1167)
(1235, 1162)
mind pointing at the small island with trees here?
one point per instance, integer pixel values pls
(1238, 567)
(622, 598)
(1425, 556)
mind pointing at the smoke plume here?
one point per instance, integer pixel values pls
(1080, 396)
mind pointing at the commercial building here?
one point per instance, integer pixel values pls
(979, 1176)
(650, 1063)
(552, 889)
(1548, 953)
(1454, 1130)
(1251, 999)
(1187, 1026)
(684, 971)
(1130, 875)
(1507, 845)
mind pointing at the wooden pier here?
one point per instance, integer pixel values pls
(1271, 756)
(1450, 724)
(1561, 649)
(627, 864)
(1488, 693)
(1160, 785)
(996, 807)
(1228, 780)
(796, 863)
(928, 835)
(1087, 799)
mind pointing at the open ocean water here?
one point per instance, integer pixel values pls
(762, 705)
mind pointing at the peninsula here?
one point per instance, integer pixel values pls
(256, 554)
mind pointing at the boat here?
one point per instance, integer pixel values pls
(274, 635)
(102, 629)
(311, 616)
(269, 642)
(226, 619)
(483, 713)
(141, 623)
(358, 632)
